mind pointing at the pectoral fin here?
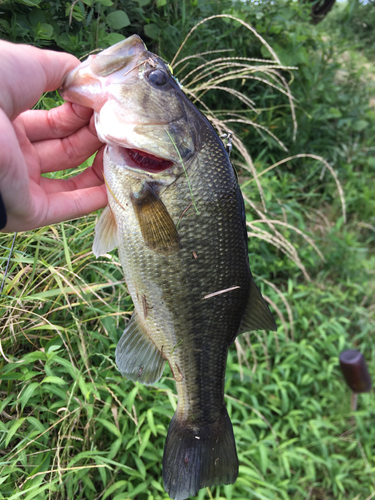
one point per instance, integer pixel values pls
(257, 315)
(158, 229)
(137, 357)
(105, 233)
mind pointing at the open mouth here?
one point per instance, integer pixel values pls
(147, 161)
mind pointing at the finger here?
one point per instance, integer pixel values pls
(27, 72)
(91, 176)
(59, 207)
(72, 204)
(56, 123)
(14, 178)
(61, 154)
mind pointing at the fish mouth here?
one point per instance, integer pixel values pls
(144, 161)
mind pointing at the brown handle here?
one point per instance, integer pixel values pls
(355, 371)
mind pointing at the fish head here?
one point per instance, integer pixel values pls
(140, 110)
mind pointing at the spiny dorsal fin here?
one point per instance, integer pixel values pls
(257, 315)
(137, 357)
(105, 233)
(158, 229)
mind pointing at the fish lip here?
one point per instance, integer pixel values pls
(129, 163)
(149, 124)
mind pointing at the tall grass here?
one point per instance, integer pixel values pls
(72, 428)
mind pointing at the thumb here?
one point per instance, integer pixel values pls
(26, 72)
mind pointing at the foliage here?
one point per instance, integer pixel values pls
(71, 426)
(354, 22)
(82, 26)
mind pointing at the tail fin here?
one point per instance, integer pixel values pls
(195, 459)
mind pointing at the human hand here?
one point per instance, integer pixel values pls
(36, 142)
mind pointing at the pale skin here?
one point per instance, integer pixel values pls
(36, 142)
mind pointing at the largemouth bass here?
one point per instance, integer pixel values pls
(177, 216)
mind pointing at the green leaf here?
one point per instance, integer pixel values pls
(115, 487)
(30, 375)
(83, 387)
(52, 348)
(39, 489)
(360, 125)
(172, 399)
(140, 465)
(263, 458)
(13, 429)
(107, 3)
(161, 3)
(111, 427)
(66, 248)
(150, 420)
(44, 31)
(145, 439)
(141, 487)
(36, 423)
(12, 376)
(143, 3)
(34, 356)
(37, 16)
(113, 38)
(118, 19)
(72, 370)
(30, 3)
(103, 475)
(41, 467)
(54, 380)
(3, 479)
(125, 468)
(68, 289)
(5, 25)
(28, 393)
(115, 446)
(152, 31)
(87, 481)
(76, 13)
(5, 402)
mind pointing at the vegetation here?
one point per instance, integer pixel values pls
(70, 426)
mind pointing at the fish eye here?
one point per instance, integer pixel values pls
(158, 77)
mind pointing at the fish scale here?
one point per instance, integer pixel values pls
(176, 214)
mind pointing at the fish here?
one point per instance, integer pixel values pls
(177, 216)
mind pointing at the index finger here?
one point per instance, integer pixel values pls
(26, 72)
(57, 122)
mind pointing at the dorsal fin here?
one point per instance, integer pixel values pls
(257, 315)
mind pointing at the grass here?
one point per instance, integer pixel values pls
(72, 427)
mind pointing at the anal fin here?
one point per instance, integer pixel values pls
(105, 233)
(137, 357)
(157, 227)
(257, 315)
